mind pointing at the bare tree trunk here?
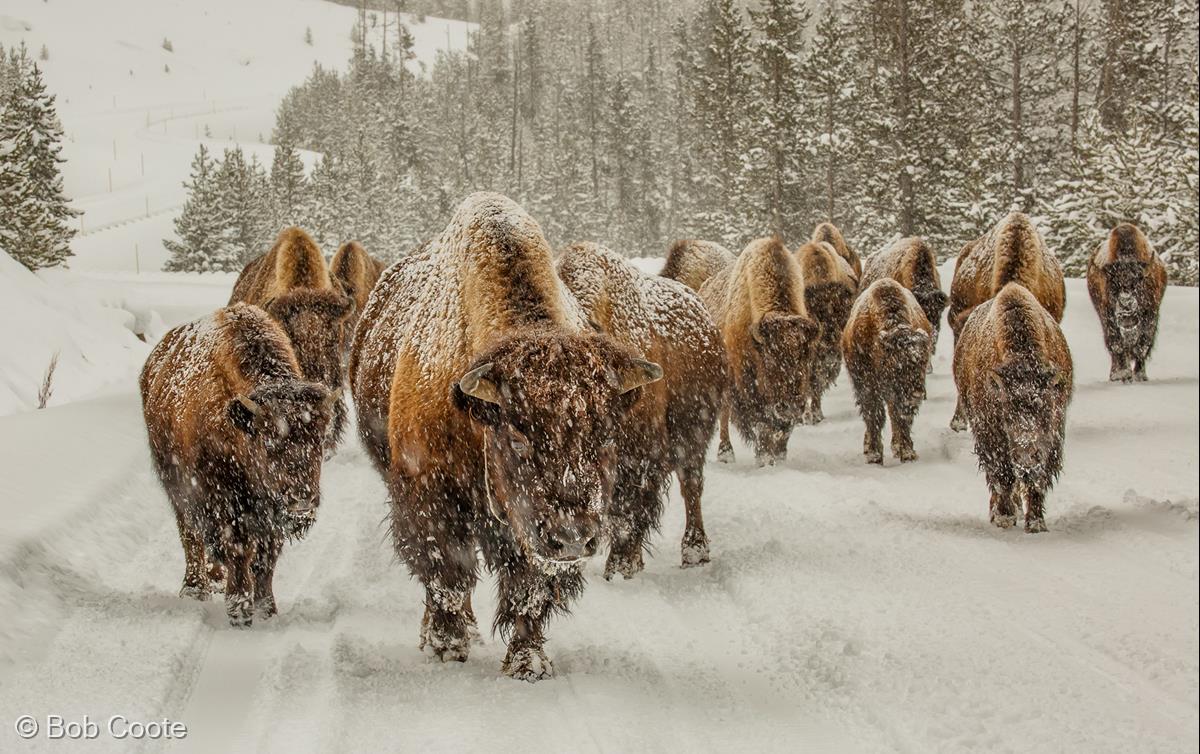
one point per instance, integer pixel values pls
(1017, 121)
(1076, 83)
(829, 164)
(907, 198)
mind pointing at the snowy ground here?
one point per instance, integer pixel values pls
(847, 607)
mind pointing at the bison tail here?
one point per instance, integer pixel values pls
(906, 345)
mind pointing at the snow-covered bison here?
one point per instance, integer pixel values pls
(692, 262)
(291, 283)
(494, 413)
(829, 288)
(830, 234)
(670, 426)
(236, 435)
(1126, 281)
(886, 344)
(758, 305)
(1014, 376)
(355, 271)
(1011, 252)
(912, 264)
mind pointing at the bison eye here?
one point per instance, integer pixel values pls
(520, 444)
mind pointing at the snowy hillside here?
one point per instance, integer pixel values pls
(132, 127)
(847, 607)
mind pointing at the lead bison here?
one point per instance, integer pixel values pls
(887, 344)
(758, 305)
(829, 289)
(692, 262)
(1126, 280)
(493, 413)
(912, 264)
(1011, 252)
(291, 283)
(670, 426)
(1014, 375)
(235, 433)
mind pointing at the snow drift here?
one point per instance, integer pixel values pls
(95, 344)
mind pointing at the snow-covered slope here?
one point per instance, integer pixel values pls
(132, 127)
(847, 608)
(92, 344)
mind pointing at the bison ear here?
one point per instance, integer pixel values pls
(242, 411)
(639, 372)
(344, 307)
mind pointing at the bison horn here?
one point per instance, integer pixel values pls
(997, 380)
(756, 333)
(334, 396)
(641, 372)
(475, 384)
(250, 405)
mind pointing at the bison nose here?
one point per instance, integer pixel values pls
(302, 504)
(572, 539)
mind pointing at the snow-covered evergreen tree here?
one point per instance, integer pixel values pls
(243, 198)
(288, 187)
(34, 213)
(201, 243)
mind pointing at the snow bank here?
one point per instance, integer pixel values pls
(95, 343)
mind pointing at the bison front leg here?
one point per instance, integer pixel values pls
(1120, 371)
(239, 585)
(1003, 508)
(264, 577)
(527, 600)
(636, 506)
(1035, 516)
(958, 422)
(694, 547)
(446, 625)
(195, 571)
(725, 447)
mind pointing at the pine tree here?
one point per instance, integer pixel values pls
(288, 186)
(242, 191)
(201, 245)
(777, 173)
(832, 123)
(34, 213)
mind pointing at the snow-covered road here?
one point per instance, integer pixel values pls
(847, 607)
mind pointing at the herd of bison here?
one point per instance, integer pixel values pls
(526, 406)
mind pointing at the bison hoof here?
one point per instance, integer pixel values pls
(1120, 375)
(958, 424)
(193, 592)
(445, 647)
(626, 564)
(240, 609)
(1035, 525)
(1140, 377)
(695, 550)
(265, 609)
(725, 454)
(1005, 521)
(905, 455)
(528, 664)
(873, 456)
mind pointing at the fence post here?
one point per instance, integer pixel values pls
(137, 260)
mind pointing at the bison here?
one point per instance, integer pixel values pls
(493, 412)
(829, 289)
(291, 282)
(886, 344)
(236, 435)
(1011, 252)
(912, 264)
(1126, 280)
(1014, 376)
(830, 234)
(672, 423)
(692, 262)
(758, 305)
(355, 272)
